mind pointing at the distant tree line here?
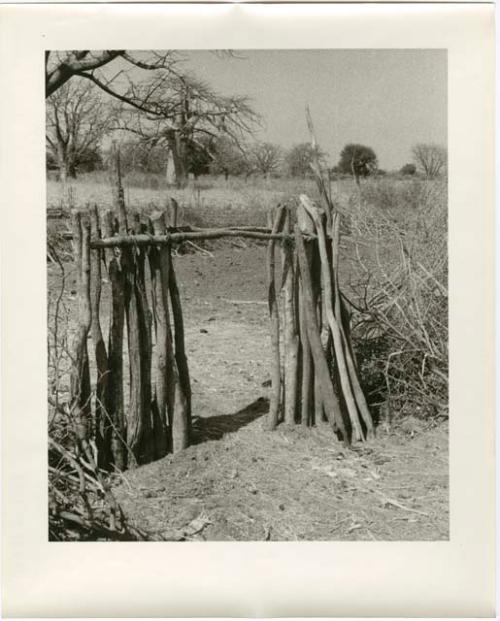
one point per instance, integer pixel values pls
(168, 121)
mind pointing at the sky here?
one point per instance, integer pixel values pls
(388, 100)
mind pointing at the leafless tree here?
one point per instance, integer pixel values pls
(62, 66)
(266, 157)
(161, 102)
(77, 118)
(431, 159)
(185, 113)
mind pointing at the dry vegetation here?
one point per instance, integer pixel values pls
(394, 270)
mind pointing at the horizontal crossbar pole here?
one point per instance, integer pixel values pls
(145, 240)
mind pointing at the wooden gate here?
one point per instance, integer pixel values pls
(314, 373)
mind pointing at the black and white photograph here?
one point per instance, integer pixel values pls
(247, 295)
(247, 310)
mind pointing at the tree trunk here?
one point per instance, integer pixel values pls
(67, 167)
(177, 147)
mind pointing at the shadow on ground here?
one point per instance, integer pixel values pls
(215, 427)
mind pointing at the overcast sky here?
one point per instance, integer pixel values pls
(386, 99)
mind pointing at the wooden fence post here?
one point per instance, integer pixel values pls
(290, 336)
(114, 403)
(321, 371)
(275, 399)
(80, 402)
(340, 314)
(102, 426)
(340, 357)
(162, 370)
(179, 414)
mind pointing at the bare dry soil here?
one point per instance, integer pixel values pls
(240, 482)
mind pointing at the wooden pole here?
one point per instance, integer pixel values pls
(180, 348)
(163, 372)
(314, 261)
(334, 326)
(144, 317)
(340, 315)
(290, 336)
(179, 413)
(330, 401)
(137, 417)
(80, 375)
(174, 212)
(114, 402)
(275, 399)
(307, 380)
(103, 428)
(125, 240)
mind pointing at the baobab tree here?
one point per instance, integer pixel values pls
(431, 159)
(60, 67)
(77, 119)
(161, 103)
(186, 114)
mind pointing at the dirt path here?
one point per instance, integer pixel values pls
(241, 483)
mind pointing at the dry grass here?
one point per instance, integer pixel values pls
(209, 201)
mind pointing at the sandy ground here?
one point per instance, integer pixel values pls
(239, 482)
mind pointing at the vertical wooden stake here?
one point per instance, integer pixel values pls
(180, 347)
(179, 422)
(115, 405)
(275, 325)
(291, 339)
(80, 375)
(144, 317)
(307, 374)
(163, 360)
(334, 326)
(103, 428)
(341, 320)
(330, 401)
(174, 213)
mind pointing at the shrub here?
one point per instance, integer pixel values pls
(408, 169)
(401, 297)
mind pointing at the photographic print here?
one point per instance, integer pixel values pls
(247, 272)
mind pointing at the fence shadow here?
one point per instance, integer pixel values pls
(215, 427)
